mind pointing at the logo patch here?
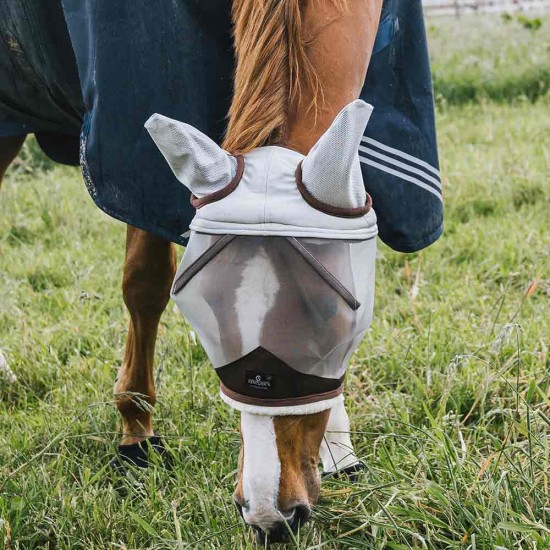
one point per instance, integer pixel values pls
(257, 381)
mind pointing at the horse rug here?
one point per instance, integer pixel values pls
(84, 75)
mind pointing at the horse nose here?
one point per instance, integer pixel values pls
(280, 531)
(299, 515)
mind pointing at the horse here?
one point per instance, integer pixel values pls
(297, 65)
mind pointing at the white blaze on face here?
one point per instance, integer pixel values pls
(259, 286)
(261, 471)
(336, 449)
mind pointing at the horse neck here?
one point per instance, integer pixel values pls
(277, 93)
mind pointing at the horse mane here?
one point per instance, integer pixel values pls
(272, 69)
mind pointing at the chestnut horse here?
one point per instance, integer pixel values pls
(299, 62)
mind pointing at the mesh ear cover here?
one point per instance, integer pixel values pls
(197, 162)
(331, 171)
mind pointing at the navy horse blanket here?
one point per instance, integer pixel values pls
(84, 76)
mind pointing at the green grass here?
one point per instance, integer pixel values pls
(484, 56)
(449, 394)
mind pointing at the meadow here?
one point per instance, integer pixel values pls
(449, 393)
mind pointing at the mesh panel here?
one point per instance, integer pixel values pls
(258, 291)
(331, 171)
(198, 162)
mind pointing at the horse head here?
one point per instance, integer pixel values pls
(277, 280)
(278, 480)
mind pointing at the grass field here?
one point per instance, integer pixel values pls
(490, 57)
(449, 394)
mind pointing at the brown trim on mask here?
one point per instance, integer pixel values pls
(325, 274)
(261, 378)
(328, 208)
(265, 402)
(199, 202)
(200, 262)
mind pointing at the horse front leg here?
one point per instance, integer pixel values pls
(9, 147)
(149, 268)
(337, 452)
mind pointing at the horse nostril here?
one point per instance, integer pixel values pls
(297, 516)
(303, 512)
(280, 532)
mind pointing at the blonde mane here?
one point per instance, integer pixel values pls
(272, 70)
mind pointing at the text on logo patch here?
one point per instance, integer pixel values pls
(257, 381)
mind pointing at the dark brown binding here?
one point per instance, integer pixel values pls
(200, 262)
(284, 384)
(264, 402)
(327, 208)
(324, 273)
(222, 193)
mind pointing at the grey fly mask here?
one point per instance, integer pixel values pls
(278, 276)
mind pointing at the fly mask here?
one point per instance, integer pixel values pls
(278, 276)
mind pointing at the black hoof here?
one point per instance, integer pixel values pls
(138, 454)
(351, 472)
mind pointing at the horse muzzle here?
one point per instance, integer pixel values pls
(280, 530)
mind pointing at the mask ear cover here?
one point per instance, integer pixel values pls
(199, 163)
(331, 172)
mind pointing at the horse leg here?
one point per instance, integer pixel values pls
(149, 268)
(9, 147)
(337, 453)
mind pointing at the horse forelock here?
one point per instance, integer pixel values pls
(272, 71)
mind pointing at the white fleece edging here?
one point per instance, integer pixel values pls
(308, 408)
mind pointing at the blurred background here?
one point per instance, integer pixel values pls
(461, 7)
